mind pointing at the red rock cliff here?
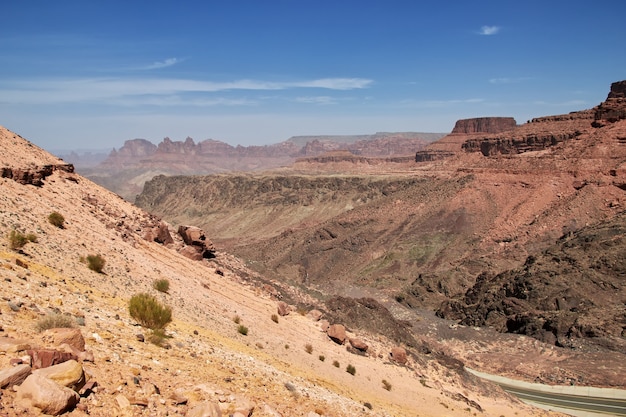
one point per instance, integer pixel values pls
(484, 125)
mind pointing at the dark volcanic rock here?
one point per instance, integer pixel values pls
(369, 314)
(571, 295)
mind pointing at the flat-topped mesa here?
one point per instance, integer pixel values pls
(484, 125)
(464, 129)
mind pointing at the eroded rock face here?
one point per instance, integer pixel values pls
(614, 107)
(484, 125)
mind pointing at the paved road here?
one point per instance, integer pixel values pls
(577, 401)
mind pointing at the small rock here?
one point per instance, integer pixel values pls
(43, 358)
(10, 345)
(178, 398)
(140, 337)
(13, 306)
(122, 402)
(71, 336)
(14, 376)
(88, 388)
(315, 315)
(283, 308)
(324, 325)
(205, 409)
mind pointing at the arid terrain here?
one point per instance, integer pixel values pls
(365, 285)
(518, 228)
(287, 366)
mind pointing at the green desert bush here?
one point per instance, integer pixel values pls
(158, 337)
(96, 263)
(336, 364)
(149, 312)
(18, 240)
(161, 285)
(386, 385)
(309, 348)
(322, 358)
(54, 321)
(56, 219)
(237, 319)
(351, 369)
(242, 329)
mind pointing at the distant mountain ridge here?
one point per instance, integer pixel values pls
(126, 169)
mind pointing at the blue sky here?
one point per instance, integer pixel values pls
(92, 74)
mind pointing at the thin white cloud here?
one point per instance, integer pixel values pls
(103, 89)
(162, 64)
(507, 80)
(560, 104)
(489, 30)
(440, 103)
(316, 100)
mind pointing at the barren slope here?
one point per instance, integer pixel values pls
(208, 359)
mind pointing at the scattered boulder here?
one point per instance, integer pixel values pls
(315, 315)
(14, 376)
(43, 358)
(337, 333)
(45, 394)
(10, 345)
(205, 409)
(324, 325)
(159, 234)
(192, 252)
(71, 336)
(283, 308)
(195, 238)
(358, 344)
(398, 355)
(68, 374)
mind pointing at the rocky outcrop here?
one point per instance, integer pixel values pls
(198, 245)
(484, 125)
(432, 155)
(570, 295)
(614, 107)
(464, 129)
(34, 176)
(515, 144)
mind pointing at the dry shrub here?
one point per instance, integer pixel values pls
(54, 321)
(149, 312)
